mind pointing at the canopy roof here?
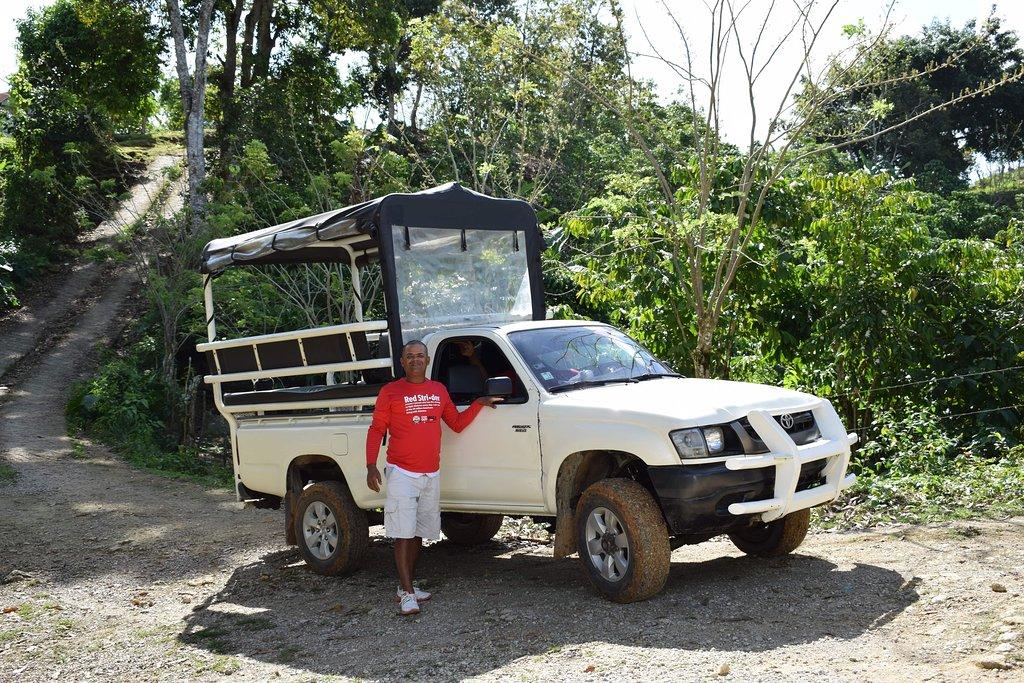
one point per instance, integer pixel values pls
(321, 237)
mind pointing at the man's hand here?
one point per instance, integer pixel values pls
(489, 401)
(373, 478)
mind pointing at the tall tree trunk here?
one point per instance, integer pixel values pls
(415, 107)
(247, 38)
(264, 40)
(258, 41)
(228, 108)
(193, 90)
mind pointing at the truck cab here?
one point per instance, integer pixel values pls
(625, 458)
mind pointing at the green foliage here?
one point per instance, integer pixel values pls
(86, 69)
(89, 62)
(124, 404)
(511, 110)
(293, 113)
(946, 61)
(8, 297)
(7, 473)
(913, 468)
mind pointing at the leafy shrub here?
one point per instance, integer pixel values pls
(913, 467)
(125, 405)
(8, 299)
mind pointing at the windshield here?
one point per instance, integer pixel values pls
(565, 358)
(448, 278)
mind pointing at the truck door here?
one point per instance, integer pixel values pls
(495, 462)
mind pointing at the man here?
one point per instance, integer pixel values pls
(468, 350)
(411, 410)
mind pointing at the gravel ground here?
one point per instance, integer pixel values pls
(111, 573)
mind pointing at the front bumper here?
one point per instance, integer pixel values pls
(714, 496)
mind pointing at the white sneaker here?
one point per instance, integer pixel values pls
(421, 596)
(408, 605)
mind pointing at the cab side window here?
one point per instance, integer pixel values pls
(465, 363)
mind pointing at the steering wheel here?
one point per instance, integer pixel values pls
(607, 368)
(565, 375)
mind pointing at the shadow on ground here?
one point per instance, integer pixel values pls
(489, 610)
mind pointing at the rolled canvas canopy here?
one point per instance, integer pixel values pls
(320, 237)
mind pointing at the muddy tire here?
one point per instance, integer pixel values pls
(622, 540)
(773, 539)
(330, 530)
(468, 529)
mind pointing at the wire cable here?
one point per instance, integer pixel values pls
(931, 380)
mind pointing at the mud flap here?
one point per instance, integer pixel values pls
(289, 523)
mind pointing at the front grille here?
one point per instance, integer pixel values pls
(801, 422)
(804, 429)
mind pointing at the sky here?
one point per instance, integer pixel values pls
(651, 30)
(649, 16)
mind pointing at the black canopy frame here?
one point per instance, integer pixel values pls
(364, 232)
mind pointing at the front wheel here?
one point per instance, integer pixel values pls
(622, 540)
(773, 539)
(330, 529)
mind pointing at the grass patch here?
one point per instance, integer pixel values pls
(212, 639)
(288, 654)
(255, 624)
(143, 149)
(7, 473)
(28, 611)
(163, 633)
(78, 450)
(8, 636)
(104, 253)
(67, 624)
(225, 665)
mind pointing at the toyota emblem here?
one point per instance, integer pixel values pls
(786, 421)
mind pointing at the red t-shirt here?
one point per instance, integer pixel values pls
(412, 414)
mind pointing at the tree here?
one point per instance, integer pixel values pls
(500, 96)
(94, 57)
(938, 149)
(714, 199)
(261, 29)
(86, 70)
(192, 86)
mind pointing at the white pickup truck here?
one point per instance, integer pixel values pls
(624, 457)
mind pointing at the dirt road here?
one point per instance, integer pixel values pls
(116, 574)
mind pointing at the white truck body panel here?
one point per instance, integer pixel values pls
(508, 459)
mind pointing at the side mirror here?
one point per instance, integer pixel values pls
(498, 386)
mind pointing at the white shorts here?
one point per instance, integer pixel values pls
(413, 506)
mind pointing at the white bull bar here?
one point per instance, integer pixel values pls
(787, 458)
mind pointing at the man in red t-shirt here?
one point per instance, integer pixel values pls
(410, 410)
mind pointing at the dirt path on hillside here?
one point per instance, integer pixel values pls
(117, 574)
(30, 327)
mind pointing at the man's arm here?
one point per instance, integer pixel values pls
(459, 421)
(374, 437)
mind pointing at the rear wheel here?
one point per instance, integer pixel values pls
(773, 539)
(330, 529)
(468, 529)
(622, 540)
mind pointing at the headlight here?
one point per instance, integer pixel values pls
(689, 443)
(715, 439)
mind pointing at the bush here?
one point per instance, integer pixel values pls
(913, 467)
(8, 299)
(125, 405)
